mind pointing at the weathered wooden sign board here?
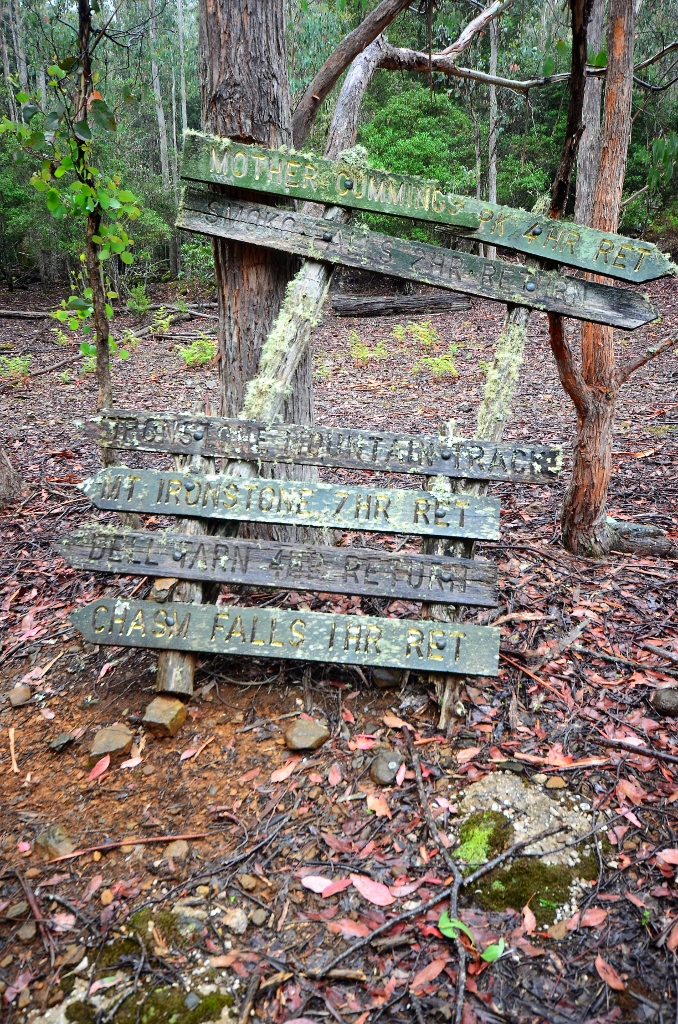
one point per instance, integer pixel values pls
(267, 563)
(309, 504)
(300, 636)
(307, 176)
(354, 245)
(374, 450)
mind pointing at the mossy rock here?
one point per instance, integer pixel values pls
(113, 951)
(545, 886)
(164, 1006)
(483, 835)
(164, 920)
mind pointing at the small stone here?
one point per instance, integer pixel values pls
(107, 898)
(127, 849)
(17, 910)
(558, 930)
(539, 779)
(3, 986)
(24, 999)
(148, 769)
(27, 931)
(21, 694)
(202, 890)
(247, 882)
(384, 768)
(6, 961)
(387, 678)
(63, 740)
(164, 716)
(33, 873)
(115, 740)
(55, 842)
(258, 917)
(665, 702)
(191, 1001)
(236, 920)
(96, 856)
(555, 782)
(178, 850)
(306, 734)
(162, 589)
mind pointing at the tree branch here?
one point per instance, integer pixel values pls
(568, 371)
(466, 37)
(634, 196)
(632, 365)
(335, 65)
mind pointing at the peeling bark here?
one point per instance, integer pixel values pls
(10, 482)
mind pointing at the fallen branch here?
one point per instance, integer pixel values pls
(37, 914)
(633, 749)
(617, 659)
(661, 652)
(142, 840)
(526, 671)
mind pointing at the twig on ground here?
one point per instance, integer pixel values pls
(633, 749)
(37, 914)
(250, 996)
(134, 841)
(617, 659)
(661, 652)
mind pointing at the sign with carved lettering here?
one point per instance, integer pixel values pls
(300, 636)
(376, 450)
(301, 504)
(306, 176)
(354, 245)
(267, 563)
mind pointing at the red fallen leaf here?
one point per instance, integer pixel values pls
(629, 790)
(337, 844)
(210, 946)
(367, 849)
(349, 929)
(593, 917)
(335, 776)
(347, 716)
(669, 856)
(467, 754)
(429, 973)
(18, 985)
(636, 900)
(280, 774)
(400, 774)
(133, 762)
(393, 722)
(373, 892)
(526, 947)
(430, 931)
(23, 847)
(529, 920)
(54, 880)
(99, 768)
(608, 974)
(102, 983)
(338, 885)
(379, 805)
(672, 941)
(316, 883)
(362, 742)
(299, 1020)
(251, 774)
(92, 886)
(404, 890)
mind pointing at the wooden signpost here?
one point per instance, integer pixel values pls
(301, 636)
(374, 450)
(354, 245)
(307, 176)
(309, 504)
(266, 563)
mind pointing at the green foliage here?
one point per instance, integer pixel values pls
(14, 367)
(424, 333)
(452, 926)
(161, 321)
(138, 301)
(199, 352)
(198, 262)
(439, 365)
(361, 353)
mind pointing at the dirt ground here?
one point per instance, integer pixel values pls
(226, 925)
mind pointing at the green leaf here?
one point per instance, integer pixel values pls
(599, 59)
(61, 315)
(127, 257)
(39, 185)
(82, 131)
(125, 196)
(88, 294)
(493, 952)
(111, 295)
(450, 927)
(97, 238)
(123, 353)
(104, 253)
(561, 47)
(109, 311)
(103, 116)
(548, 67)
(74, 323)
(22, 97)
(30, 110)
(75, 302)
(53, 200)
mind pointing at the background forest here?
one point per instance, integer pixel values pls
(146, 67)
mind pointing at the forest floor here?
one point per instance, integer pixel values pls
(229, 921)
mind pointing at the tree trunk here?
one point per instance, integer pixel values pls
(584, 518)
(105, 399)
(589, 145)
(11, 102)
(491, 251)
(16, 22)
(182, 64)
(157, 96)
(10, 482)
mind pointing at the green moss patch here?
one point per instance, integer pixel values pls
(164, 920)
(482, 836)
(164, 1006)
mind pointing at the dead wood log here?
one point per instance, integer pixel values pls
(393, 305)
